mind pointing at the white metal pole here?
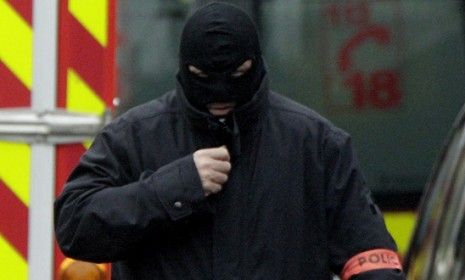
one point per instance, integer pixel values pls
(42, 187)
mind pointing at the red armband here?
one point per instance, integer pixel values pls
(370, 260)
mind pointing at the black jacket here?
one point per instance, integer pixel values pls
(295, 205)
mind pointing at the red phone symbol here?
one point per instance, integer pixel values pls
(379, 34)
(379, 88)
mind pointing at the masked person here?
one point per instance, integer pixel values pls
(223, 179)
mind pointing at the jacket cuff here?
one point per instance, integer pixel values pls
(178, 185)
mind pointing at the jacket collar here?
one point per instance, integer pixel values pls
(245, 116)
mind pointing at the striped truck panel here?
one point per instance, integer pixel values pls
(86, 72)
(15, 160)
(86, 83)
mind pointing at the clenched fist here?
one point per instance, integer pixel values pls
(213, 166)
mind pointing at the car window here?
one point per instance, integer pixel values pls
(449, 258)
(437, 250)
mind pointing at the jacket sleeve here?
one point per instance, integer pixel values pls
(355, 223)
(102, 214)
(380, 274)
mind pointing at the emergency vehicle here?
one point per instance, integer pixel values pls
(57, 89)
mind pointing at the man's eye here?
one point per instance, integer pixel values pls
(241, 70)
(202, 75)
(196, 71)
(237, 74)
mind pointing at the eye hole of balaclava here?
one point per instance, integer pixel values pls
(239, 72)
(216, 41)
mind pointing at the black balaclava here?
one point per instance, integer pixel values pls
(217, 39)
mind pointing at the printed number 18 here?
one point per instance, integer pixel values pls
(379, 89)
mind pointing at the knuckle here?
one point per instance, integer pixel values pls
(202, 174)
(198, 161)
(208, 186)
(209, 164)
(204, 164)
(223, 178)
(213, 187)
(197, 154)
(207, 176)
(204, 183)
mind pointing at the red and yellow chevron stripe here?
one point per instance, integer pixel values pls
(15, 91)
(86, 83)
(86, 75)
